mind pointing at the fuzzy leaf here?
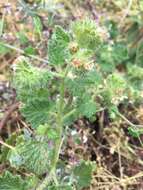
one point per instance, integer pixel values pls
(135, 75)
(87, 34)
(83, 174)
(58, 51)
(33, 155)
(37, 112)
(28, 77)
(11, 182)
(78, 85)
(48, 131)
(88, 109)
(112, 55)
(115, 89)
(37, 24)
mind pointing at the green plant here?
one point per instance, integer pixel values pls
(72, 86)
(53, 98)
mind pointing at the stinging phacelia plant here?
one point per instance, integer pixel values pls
(52, 99)
(72, 86)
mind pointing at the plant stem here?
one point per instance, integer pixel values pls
(2, 23)
(132, 125)
(59, 141)
(130, 2)
(129, 122)
(23, 52)
(6, 145)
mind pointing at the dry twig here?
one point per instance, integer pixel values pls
(7, 114)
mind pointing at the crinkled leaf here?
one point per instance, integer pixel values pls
(135, 75)
(88, 109)
(31, 83)
(28, 77)
(37, 112)
(87, 34)
(77, 86)
(47, 131)
(9, 181)
(37, 24)
(83, 174)
(33, 155)
(58, 51)
(115, 89)
(111, 56)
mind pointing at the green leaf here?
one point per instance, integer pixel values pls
(93, 78)
(28, 77)
(120, 53)
(58, 51)
(76, 87)
(135, 132)
(30, 50)
(22, 37)
(10, 182)
(135, 75)
(33, 181)
(112, 28)
(37, 112)
(111, 56)
(33, 155)
(3, 50)
(116, 81)
(88, 108)
(31, 83)
(83, 173)
(60, 187)
(48, 131)
(5, 150)
(37, 24)
(87, 34)
(115, 89)
(42, 129)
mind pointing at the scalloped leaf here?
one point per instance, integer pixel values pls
(37, 112)
(10, 182)
(87, 109)
(30, 82)
(83, 173)
(87, 34)
(33, 155)
(58, 51)
(28, 76)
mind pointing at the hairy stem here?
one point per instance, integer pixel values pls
(59, 141)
